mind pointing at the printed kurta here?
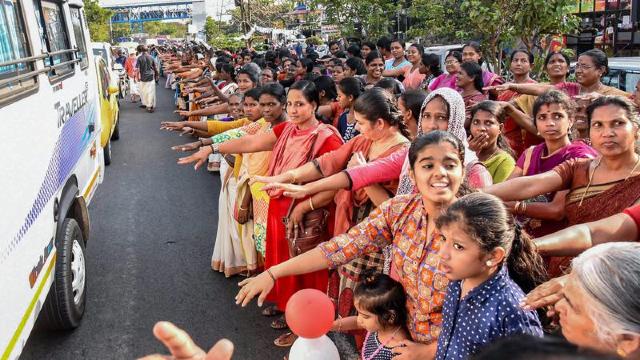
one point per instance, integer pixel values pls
(402, 223)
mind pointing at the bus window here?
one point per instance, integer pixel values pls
(612, 78)
(13, 46)
(54, 32)
(631, 80)
(76, 21)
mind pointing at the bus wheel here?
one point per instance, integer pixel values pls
(107, 153)
(65, 303)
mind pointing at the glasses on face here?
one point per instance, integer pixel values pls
(451, 62)
(583, 66)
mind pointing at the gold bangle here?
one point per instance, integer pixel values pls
(241, 208)
(293, 176)
(524, 208)
(311, 204)
(516, 208)
(271, 274)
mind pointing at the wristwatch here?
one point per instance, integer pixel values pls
(216, 148)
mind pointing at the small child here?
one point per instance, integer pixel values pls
(381, 305)
(489, 261)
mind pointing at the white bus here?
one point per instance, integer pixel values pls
(50, 165)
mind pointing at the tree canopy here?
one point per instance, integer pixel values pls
(97, 20)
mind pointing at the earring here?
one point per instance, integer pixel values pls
(621, 352)
(489, 263)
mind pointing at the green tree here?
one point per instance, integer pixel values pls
(98, 20)
(501, 23)
(540, 18)
(219, 37)
(266, 13)
(439, 21)
(375, 16)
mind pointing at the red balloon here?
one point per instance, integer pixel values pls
(309, 313)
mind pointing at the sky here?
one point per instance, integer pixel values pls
(213, 6)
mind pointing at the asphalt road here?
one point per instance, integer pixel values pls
(148, 258)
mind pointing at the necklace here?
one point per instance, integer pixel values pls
(382, 344)
(594, 172)
(493, 154)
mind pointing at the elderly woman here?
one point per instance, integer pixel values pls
(598, 308)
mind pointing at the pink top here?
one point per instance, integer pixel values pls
(412, 79)
(378, 171)
(444, 80)
(390, 167)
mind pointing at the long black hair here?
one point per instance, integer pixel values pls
(486, 220)
(276, 90)
(376, 104)
(356, 64)
(351, 87)
(413, 100)
(474, 71)
(309, 91)
(477, 48)
(372, 56)
(432, 61)
(326, 84)
(497, 111)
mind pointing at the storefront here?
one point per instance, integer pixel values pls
(610, 25)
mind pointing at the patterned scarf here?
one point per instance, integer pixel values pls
(455, 126)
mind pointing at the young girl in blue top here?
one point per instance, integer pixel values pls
(381, 305)
(489, 262)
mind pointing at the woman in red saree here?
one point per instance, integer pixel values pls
(382, 133)
(599, 187)
(291, 143)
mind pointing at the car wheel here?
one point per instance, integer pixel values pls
(65, 304)
(116, 130)
(107, 153)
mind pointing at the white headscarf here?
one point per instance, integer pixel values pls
(455, 126)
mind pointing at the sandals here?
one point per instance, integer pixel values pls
(270, 311)
(285, 340)
(279, 323)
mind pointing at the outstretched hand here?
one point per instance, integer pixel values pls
(259, 286)
(188, 146)
(282, 178)
(172, 125)
(183, 112)
(290, 190)
(182, 347)
(547, 294)
(501, 87)
(199, 157)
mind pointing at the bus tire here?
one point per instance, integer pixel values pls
(107, 153)
(65, 304)
(116, 130)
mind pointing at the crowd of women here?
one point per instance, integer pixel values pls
(425, 203)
